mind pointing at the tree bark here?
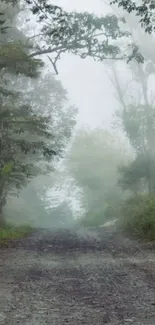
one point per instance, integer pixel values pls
(2, 221)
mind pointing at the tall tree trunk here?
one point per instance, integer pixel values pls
(2, 221)
(2, 201)
(144, 87)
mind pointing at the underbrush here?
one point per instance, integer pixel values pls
(8, 233)
(97, 219)
(138, 216)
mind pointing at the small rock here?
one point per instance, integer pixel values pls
(2, 317)
(128, 320)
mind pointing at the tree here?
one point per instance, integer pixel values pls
(28, 139)
(137, 117)
(83, 34)
(139, 125)
(15, 119)
(93, 162)
(26, 135)
(32, 202)
(145, 10)
(24, 138)
(52, 102)
(28, 208)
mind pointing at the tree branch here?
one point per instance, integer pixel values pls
(54, 65)
(70, 47)
(47, 51)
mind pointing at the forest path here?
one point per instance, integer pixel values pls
(77, 277)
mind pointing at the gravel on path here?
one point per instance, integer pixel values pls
(77, 277)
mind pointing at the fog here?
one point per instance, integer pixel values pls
(86, 81)
(77, 162)
(89, 153)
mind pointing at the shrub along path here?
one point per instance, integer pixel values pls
(81, 277)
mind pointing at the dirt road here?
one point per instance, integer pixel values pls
(74, 278)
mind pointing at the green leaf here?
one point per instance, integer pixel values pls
(7, 168)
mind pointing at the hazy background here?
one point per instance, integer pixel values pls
(87, 83)
(91, 91)
(87, 182)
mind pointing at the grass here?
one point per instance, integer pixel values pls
(138, 216)
(8, 233)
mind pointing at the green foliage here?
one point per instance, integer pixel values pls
(29, 139)
(144, 10)
(82, 34)
(52, 102)
(14, 59)
(139, 125)
(8, 233)
(93, 162)
(139, 175)
(27, 133)
(29, 201)
(29, 136)
(137, 117)
(95, 219)
(138, 216)
(6, 169)
(23, 136)
(21, 131)
(108, 211)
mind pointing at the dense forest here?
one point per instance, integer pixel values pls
(111, 172)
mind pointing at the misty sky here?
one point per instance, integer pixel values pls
(87, 83)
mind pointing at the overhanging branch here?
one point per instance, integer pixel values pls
(54, 64)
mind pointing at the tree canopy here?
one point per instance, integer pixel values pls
(136, 115)
(29, 135)
(83, 34)
(145, 10)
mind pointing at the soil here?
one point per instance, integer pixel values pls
(84, 276)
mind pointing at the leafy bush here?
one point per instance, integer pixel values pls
(138, 216)
(97, 218)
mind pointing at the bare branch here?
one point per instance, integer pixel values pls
(54, 65)
(55, 49)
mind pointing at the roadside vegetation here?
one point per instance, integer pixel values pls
(8, 233)
(116, 176)
(138, 217)
(113, 170)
